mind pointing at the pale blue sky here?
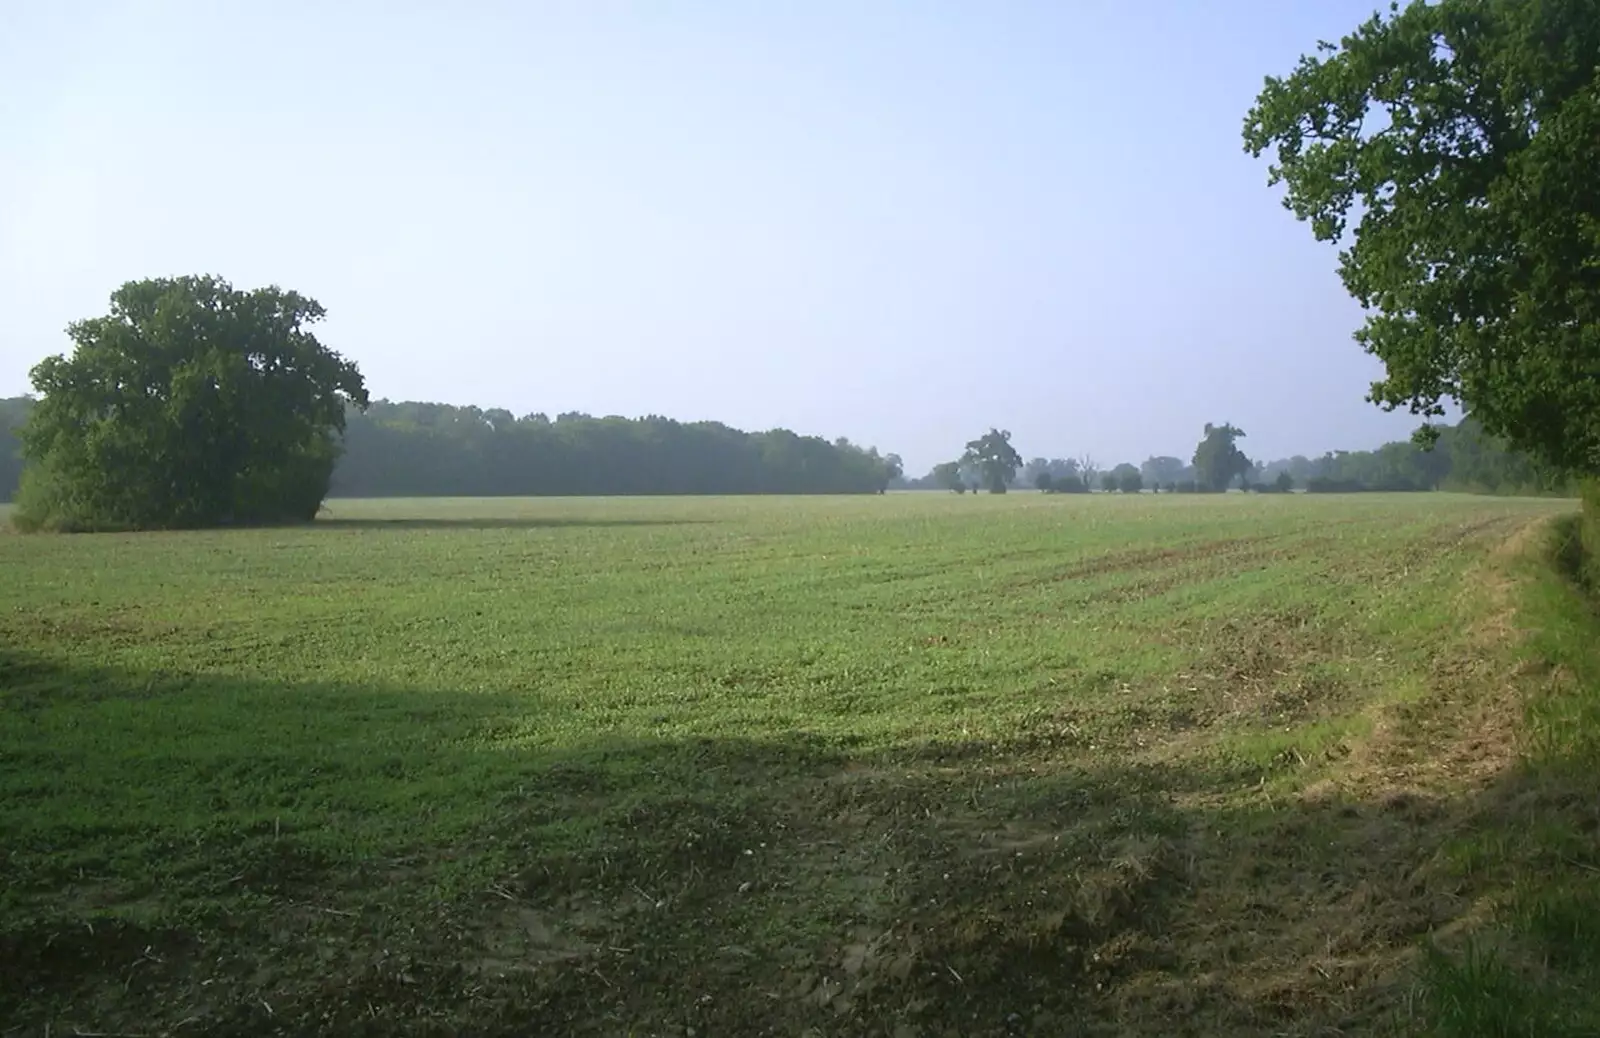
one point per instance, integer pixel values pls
(897, 221)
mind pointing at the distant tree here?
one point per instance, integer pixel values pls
(1069, 484)
(1430, 465)
(1217, 460)
(1043, 481)
(893, 471)
(1063, 474)
(190, 404)
(1108, 481)
(971, 475)
(1031, 471)
(1129, 480)
(994, 458)
(947, 474)
(1462, 138)
(1285, 482)
(13, 416)
(1088, 471)
(1161, 470)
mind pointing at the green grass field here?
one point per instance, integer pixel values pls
(904, 765)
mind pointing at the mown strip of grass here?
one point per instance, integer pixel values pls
(1535, 971)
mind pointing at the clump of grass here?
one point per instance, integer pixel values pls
(1477, 994)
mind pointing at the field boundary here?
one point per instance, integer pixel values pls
(1524, 961)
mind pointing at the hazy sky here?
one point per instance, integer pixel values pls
(897, 221)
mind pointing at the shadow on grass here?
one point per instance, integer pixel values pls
(245, 857)
(490, 523)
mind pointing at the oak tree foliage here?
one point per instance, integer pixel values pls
(190, 404)
(1450, 148)
(994, 458)
(1218, 461)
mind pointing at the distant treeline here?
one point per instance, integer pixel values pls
(13, 413)
(429, 450)
(1464, 458)
(422, 450)
(417, 449)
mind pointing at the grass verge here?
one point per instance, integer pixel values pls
(1533, 864)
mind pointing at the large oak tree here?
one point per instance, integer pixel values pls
(993, 456)
(190, 404)
(1459, 140)
(1218, 461)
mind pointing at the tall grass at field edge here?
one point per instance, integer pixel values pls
(1536, 970)
(1586, 564)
